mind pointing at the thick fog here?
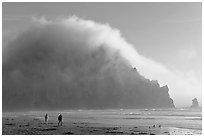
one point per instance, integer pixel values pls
(72, 64)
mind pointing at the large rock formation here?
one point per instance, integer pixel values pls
(50, 67)
(35, 86)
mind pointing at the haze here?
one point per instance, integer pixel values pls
(162, 40)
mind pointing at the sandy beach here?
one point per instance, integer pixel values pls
(31, 124)
(20, 126)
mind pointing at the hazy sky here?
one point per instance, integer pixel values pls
(167, 33)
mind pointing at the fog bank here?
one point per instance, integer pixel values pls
(76, 63)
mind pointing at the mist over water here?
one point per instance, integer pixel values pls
(72, 64)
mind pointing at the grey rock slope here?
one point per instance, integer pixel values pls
(41, 72)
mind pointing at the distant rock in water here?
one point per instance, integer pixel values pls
(195, 103)
(50, 68)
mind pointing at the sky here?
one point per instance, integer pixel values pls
(168, 34)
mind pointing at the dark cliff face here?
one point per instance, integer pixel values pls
(40, 72)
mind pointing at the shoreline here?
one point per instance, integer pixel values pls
(25, 125)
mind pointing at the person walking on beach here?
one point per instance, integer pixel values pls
(46, 118)
(60, 119)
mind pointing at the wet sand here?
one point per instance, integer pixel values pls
(36, 126)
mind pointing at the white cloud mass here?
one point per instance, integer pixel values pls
(183, 87)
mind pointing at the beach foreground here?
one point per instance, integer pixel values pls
(78, 123)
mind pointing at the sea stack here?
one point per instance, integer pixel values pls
(195, 103)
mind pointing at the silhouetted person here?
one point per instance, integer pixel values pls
(46, 118)
(60, 119)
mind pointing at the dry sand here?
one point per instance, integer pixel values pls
(34, 126)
